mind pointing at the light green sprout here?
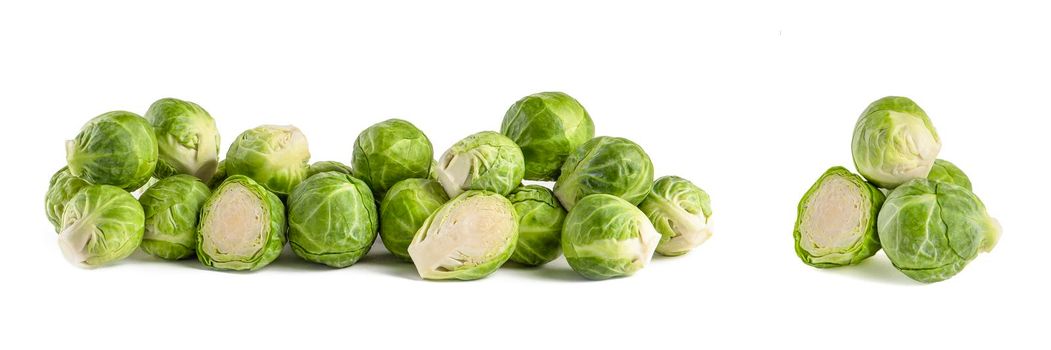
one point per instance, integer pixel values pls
(100, 224)
(894, 142)
(60, 190)
(540, 219)
(172, 207)
(219, 176)
(681, 212)
(404, 210)
(116, 148)
(548, 126)
(242, 226)
(605, 236)
(609, 165)
(332, 219)
(391, 151)
(328, 165)
(836, 225)
(485, 161)
(187, 139)
(274, 156)
(468, 238)
(944, 171)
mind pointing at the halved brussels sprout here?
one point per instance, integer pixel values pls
(219, 176)
(404, 210)
(391, 151)
(485, 161)
(332, 219)
(930, 230)
(100, 224)
(274, 156)
(548, 126)
(328, 165)
(468, 238)
(836, 225)
(116, 148)
(187, 139)
(609, 165)
(62, 188)
(540, 220)
(605, 236)
(894, 142)
(944, 171)
(681, 212)
(172, 207)
(242, 226)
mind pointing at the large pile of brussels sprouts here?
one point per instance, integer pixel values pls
(460, 217)
(918, 208)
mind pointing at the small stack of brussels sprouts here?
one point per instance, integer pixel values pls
(460, 217)
(918, 208)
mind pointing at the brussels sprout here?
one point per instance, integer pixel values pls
(274, 156)
(894, 142)
(540, 220)
(100, 224)
(836, 225)
(328, 165)
(930, 230)
(219, 176)
(468, 238)
(944, 171)
(242, 226)
(172, 207)
(391, 151)
(605, 236)
(681, 212)
(609, 165)
(116, 148)
(332, 219)
(404, 209)
(62, 188)
(483, 161)
(548, 126)
(187, 139)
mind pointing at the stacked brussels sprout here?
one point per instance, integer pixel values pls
(918, 208)
(461, 216)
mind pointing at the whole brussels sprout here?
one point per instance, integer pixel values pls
(540, 220)
(836, 225)
(172, 207)
(391, 151)
(62, 188)
(468, 238)
(116, 148)
(187, 139)
(605, 236)
(894, 142)
(483, 161)
(944, 171)
(219, 176)
(242, 226)
(274, 156)
(930, 230)
(609, 165)
(100, 224)
(404, 210)
(681, 212)
(332, 219)
(328, 165)
(548, 126)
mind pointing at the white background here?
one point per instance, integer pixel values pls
(750, 100)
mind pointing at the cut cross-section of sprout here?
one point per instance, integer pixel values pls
(836, 225)
(468, 238)
(681, 212)
(242, 226)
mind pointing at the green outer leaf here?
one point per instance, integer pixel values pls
(116, 148)
(894, 141)
(608, 165)
(172, 207)
(332, 219)
(500, 253)
(947, 172)
(100, 224)
(931, 230)
(540, 220)
(404, 210)
(867, 244)
(328, 165)
(219, 176)
(391, 151)
(187, 139)
(602, 233)
(274, 237)
(496, 164)
(62, 187)
(274, 156)
(680, 211)
(548, 126)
